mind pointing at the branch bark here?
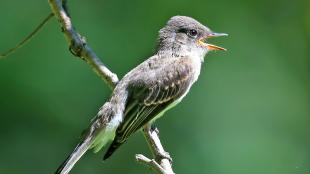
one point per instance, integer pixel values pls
(161, 161)
(78, 45)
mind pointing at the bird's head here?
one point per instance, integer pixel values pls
(187, 33)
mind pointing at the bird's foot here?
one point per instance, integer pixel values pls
(164, 155)
(154, 129)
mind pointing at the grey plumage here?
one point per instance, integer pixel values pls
(147, 91)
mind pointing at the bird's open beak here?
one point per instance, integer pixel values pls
(211, 47)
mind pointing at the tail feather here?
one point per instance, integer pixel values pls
(97, 135)
(78, 152)
(112, 148)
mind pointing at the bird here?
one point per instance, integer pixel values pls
(146, 92)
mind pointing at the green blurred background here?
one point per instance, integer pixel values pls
(249, 113)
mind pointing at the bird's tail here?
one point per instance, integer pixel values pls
(77, 153)
(115, 145)
(98, 135)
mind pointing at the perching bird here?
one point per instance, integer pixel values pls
(150, 89)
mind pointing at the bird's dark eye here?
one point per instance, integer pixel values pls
(192, 33)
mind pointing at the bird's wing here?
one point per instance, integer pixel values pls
(146, 101)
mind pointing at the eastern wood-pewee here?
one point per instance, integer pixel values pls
(150, 89)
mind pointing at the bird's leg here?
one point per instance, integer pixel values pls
(164, 155)
(154, 129)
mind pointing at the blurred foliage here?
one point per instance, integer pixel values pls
(249, 113)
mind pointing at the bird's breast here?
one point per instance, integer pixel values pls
(196, 65)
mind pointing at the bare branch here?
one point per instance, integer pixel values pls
(78, 47)
(78, 44)
(150, 163)
(157, 149)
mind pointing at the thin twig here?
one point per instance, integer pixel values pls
(161, 162)
(150, 163)
(29, 37)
